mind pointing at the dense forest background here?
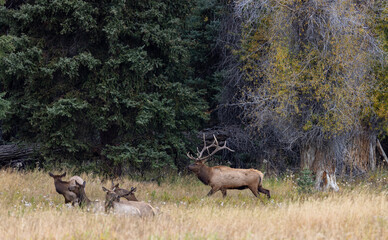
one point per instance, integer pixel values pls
(128, 87)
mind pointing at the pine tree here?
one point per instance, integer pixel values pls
(99, 82)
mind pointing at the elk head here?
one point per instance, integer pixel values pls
(200, 160)
(57, 177)
(110, 197)
(128, 194)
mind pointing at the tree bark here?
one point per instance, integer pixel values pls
(355, 157)
(322, 163)
(381, 150)
(14, 153)
(360, 154)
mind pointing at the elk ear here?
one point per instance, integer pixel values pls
(51, 175)
(105, 190)
(133, 189)
(63, 174)
(116, 186)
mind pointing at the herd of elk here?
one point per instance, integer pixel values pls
(223, 177)
(218, 178)
(74, 192)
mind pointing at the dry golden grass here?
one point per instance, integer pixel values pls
(31, 209)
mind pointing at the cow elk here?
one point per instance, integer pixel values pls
(128, 194)
(79, 190)
(113, 201)
(62, 187)
(223, 177)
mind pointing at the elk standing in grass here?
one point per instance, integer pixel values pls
(223, 177)
(62, 187)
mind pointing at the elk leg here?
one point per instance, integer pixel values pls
(213, 190)
(76, 202)
(254, 191)
(265, 191)
(223, 192)
(210, 192)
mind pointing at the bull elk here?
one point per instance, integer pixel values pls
(223, 177)
(62, 187)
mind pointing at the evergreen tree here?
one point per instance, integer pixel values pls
(103, 82)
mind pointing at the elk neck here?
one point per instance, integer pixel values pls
(84, 199)
(204, 174)
(61, 186)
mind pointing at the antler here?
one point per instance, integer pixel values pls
(207, 149)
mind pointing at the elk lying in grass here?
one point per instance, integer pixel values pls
(112, 200)
(62, 187)
(223, 177)
(79, 190)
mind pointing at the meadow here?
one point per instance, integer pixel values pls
(30, 208)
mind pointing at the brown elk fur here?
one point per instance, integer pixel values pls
(79, 190)
(113, 201)
(62, 187)
(223, 178)
(127, 194)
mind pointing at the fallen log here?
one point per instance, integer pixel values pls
(11, 153)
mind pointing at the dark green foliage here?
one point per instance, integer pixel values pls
(4, 106)
(114, 84)
(202, 29)
(305, 181)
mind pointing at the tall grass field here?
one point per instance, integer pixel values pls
(30, 208)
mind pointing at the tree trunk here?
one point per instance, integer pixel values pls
(381, 150)
(322, 162)
(356, 157)
(12, 153)
(360, 154)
